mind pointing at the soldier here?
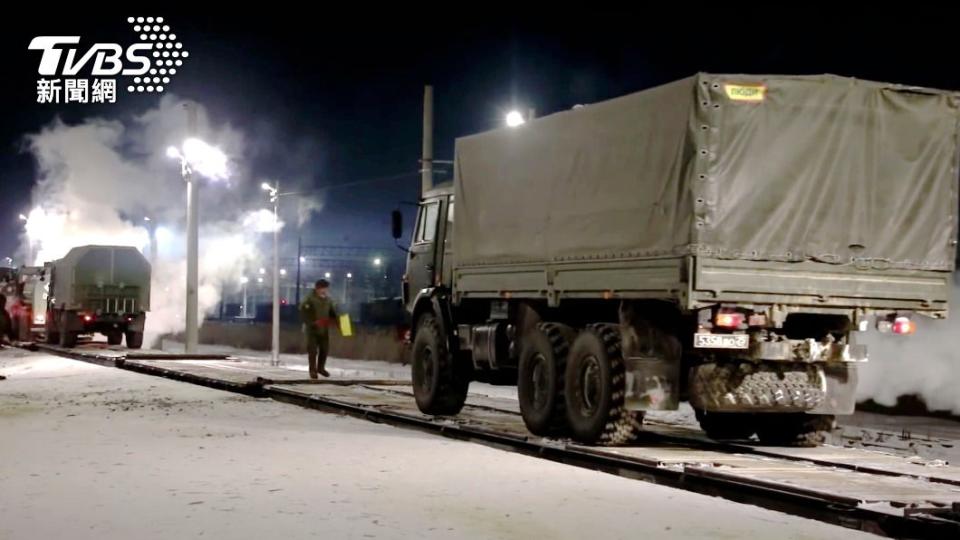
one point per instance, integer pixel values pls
(317, 315)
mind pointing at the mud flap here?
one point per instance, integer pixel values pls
(653, 384)
(841, 393)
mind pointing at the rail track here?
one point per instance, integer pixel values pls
(880, 493)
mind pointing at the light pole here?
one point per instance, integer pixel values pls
(29, 257)
(152, 229)
(243, 305)
(274, 192)
(195, 156)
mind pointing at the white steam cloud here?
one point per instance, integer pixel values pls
(99, 179)
(926, 363)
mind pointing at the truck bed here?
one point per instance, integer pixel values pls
(699, 281)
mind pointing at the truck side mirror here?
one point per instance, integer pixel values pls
(396, 224)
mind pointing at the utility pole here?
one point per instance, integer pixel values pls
(299, 258)
(275, 330)
(193, 225)
(426, 170)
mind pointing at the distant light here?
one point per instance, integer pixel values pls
(283, 271)
(259, 280)
(377, 261)
(327, 275)
(173, 153)
(303, 259)
(266, 187)
(244, 279)
(146, 218)
(349, 275)
(514, 119)
(23, 217)
(263, 270)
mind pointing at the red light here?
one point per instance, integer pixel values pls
(87, 318)
(904, 326)
(729, 320)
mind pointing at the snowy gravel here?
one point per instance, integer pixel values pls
(92, 452)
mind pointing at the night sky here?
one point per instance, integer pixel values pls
(336, 97)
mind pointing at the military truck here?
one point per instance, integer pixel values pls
(103, 289)
(721, 239)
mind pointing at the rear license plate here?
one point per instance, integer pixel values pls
(721, 341)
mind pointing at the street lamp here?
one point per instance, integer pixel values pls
(274, 192)
(377, 262)
(195, 156)
(514, 119)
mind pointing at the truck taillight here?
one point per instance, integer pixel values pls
(903, 326)
(87, 318)
(729, 320)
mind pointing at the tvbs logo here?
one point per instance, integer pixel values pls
(86, 70)
(107, 57)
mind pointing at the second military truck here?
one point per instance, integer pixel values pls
(97, 289)
(721, 239)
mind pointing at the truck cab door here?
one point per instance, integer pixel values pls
(422, 257)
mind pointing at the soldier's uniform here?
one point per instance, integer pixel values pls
(317, 314)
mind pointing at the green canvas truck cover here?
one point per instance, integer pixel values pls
(761, 168)
(87, 275)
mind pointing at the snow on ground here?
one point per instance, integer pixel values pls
(93, 452)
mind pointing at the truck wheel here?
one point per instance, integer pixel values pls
(134, 340)
(68, 339)
(794, 429)
(114, 338)
(595, 380)
(540, 381)
(439, 383)
(724, 425)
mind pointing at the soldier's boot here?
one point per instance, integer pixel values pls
(322, 364)
(312, 360)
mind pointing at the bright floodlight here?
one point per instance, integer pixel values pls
(377, 261)
(263, 270)
(259, 280)
(164, 235)
(514, 119)
(283, 271)
(205, 159)
(244, 279)
(266, 187)
(146, 218)
(173, 153)
(349, 275)
(327, 275)
(303, 259)
(23, 217)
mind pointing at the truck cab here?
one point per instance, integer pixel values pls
(429, 262)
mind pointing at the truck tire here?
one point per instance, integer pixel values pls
(114, 338)
(134, 340)
(69, 339)
(724, 425)
(540, 379)
(794, 429)
(439, 382)
(595, 380)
